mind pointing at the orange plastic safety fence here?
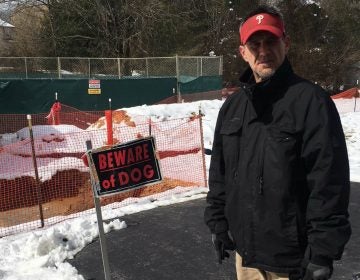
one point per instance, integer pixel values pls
(11, 123)
(45, 180)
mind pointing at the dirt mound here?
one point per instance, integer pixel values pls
(22, 192)
(59, 200)
(118, 117)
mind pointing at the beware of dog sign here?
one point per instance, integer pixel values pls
(123, 167)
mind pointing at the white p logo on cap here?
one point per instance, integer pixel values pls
(259, 18)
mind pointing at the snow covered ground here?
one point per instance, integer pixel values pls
(42, 254)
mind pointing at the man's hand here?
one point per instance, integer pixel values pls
(222, 242)
(317, 272)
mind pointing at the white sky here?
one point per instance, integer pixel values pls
(42, 254)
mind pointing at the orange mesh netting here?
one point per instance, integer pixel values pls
(350, 93)
(48, 175)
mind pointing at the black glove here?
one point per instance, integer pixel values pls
(317, 272)
(222, 242)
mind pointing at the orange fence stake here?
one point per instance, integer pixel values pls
(109, 127)
(54, 115)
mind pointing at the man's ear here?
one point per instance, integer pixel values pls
(287, 43)
(242, 52)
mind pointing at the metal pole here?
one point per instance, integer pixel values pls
(177, 79)
(197, 67)
(358, 93)
(59, 67)
(202, 146)
(221, 65)
(26, 71)
(147, 67)
(38, 189)
(89, 68)
(104, 252)
(119, 70)
(177, 66)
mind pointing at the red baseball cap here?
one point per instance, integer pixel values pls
(261, 22)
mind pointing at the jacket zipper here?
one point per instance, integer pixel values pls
(261, 184)
(261, 173)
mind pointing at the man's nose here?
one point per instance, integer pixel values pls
(263, 47)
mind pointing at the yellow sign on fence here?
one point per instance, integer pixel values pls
(94, 91)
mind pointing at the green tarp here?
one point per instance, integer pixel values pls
(30, 96)
(199, 84)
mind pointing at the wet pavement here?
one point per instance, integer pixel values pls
(172, 242)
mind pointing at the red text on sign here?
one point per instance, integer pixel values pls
(134, 176)
(114, 159)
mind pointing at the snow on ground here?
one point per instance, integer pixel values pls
(42, 254)
(13, 166)
(347, 105)
(349, 110)
(351, 126)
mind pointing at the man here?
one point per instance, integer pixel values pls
(279, 172)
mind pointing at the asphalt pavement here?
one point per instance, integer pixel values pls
(172, 242)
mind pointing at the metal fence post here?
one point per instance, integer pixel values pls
(221, 65)
(197, 67)
(89, 68)
(59, 67)
(358, 93)
(177, 79)
(119, 69)
(26, 71)
(177, 66)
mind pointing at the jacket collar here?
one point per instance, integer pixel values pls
(279, 79)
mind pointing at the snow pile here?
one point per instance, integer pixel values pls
(42, 254)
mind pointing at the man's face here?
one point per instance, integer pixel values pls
(265, 53)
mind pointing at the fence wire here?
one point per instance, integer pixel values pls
(108, 68)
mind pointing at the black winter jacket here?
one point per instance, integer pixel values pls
(279, 173)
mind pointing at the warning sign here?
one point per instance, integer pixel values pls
(124, 167)
(94, 87)
(94, 91)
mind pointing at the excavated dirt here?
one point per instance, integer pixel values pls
(61, 203)
(118, 117)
